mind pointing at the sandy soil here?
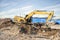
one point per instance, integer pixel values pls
(9, 31)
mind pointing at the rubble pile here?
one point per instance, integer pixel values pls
(11, 31)
(5, 22)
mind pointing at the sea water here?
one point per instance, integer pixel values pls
(38, 20)
(57, 21)
(43, 20)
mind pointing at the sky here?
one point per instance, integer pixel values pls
(11, 8)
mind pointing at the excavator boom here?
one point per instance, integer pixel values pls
(50, 15)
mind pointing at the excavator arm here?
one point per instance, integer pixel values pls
(50, 14)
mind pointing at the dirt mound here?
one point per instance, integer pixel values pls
(5, 22)
(11, 31)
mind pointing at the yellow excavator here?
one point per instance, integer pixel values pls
(28, 21)
(28, 17)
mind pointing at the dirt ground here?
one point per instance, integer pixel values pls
(11, 31)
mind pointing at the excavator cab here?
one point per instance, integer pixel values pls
(29, 19)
